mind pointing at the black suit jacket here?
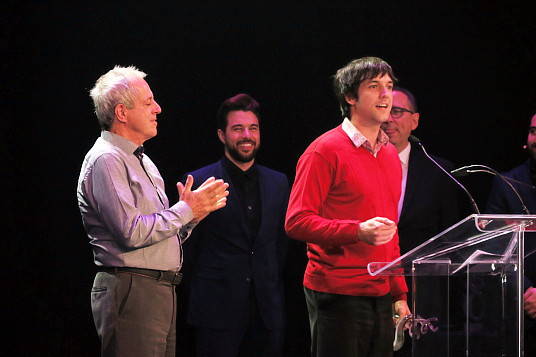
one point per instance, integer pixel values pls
(430, 206)
(430, 201)
(227, 263)
(503, 200)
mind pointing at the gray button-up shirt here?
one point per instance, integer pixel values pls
(128, 224)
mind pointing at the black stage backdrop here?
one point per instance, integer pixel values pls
(469, 63)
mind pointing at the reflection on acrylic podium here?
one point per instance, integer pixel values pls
(467, 288)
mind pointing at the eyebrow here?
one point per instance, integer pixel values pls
(235, 125)
(377, 81)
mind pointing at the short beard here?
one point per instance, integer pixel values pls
(237, 156)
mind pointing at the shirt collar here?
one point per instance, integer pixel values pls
(404, 155)
(117, 140)
(235, 170)
(359, 139)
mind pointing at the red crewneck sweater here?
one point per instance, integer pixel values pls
(337, 186)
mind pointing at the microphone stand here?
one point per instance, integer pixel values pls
(414, 140)
(465, 170)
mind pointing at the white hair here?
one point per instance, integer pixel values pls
(111, 89)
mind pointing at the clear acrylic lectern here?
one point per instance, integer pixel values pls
(467, 287)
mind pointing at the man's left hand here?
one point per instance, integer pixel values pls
(529, 298)
(401, 309)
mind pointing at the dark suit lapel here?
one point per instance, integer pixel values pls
(528, 194)
(415, 161)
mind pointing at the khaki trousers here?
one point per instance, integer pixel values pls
(134, 315)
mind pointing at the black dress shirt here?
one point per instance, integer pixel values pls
(246, 184)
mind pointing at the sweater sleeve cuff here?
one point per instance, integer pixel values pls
(398, 297)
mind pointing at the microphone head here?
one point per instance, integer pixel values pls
(461, 172)
(414, 140)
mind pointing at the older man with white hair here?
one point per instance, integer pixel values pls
(135, 235)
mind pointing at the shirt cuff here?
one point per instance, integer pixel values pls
(185, 231)
(184, 212)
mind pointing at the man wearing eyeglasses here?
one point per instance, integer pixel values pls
(428, 203)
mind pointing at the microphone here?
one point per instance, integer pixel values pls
(466, 170)
(414, 140)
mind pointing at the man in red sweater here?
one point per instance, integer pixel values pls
(344, 205)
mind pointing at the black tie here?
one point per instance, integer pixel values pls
(139, 154)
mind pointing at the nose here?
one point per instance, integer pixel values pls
(384, 92)
(157, 108)
(246, 133)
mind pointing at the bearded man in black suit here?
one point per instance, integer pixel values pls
(236, 295)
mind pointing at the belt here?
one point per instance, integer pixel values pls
(172, 277)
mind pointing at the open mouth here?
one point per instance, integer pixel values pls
(246, 145)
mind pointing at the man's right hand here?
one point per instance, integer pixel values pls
(210, 196)
(376, 231)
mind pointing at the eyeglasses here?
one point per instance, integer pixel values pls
(396, 112)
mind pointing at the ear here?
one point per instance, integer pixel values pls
(350, 100)
(121, 113)
(415, 121)
(221, 136)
